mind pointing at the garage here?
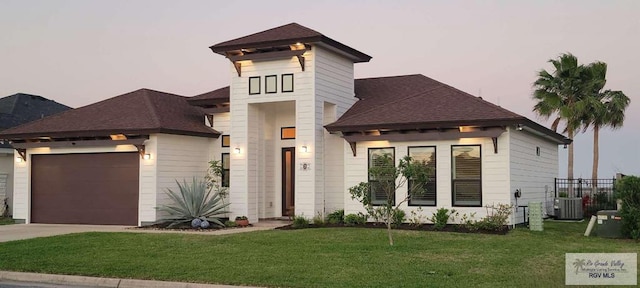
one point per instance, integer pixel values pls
(96, 188)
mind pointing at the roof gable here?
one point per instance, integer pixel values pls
(139, 112)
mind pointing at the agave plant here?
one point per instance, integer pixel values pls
(195, 201)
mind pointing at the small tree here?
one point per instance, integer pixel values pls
(214, 179)
(387, 178)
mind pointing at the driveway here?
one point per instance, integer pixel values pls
(27, 231)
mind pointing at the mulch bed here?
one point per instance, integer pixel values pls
(406, 226)
(185, 228)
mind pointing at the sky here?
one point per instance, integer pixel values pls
(81, 52)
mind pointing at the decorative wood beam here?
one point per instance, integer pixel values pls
(238, 67)
(301, 60)
(267, 55)
(495, 144)
(353, 148)
(23, 153)
(140, 148)
(235, 59)
(210, 119)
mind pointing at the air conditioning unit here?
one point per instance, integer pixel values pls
(568, 208)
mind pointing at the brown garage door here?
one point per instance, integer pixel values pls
(85, 188)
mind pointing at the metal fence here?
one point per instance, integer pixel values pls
(595, 194)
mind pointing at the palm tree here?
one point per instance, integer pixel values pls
(558, 94)
(601, 109)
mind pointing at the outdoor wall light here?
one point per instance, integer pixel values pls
(146, 156)
(305, 149)
(519, 127)
(236, 150)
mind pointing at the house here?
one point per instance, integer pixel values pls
(18, 109)
(294, 131)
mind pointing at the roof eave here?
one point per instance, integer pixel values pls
(356, 55)
(543, 131)
(102, 133)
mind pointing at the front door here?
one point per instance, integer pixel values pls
(288, 181)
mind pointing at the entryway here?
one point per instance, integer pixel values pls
(288, 181)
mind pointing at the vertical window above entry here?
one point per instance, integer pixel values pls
(271, 84)
(287, 83)
(226, 141)
(466, 176)
(378, 187)
(225, 169)
(427, 193)
(254, 85)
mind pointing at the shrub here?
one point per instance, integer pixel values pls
(416, 217)
(628, 191)
(497, 217)
(440, 218)
(336, 217)
(229, 223)
(355, 219)
(194, 201)
(398, 217)
(300, 222)
(318, 220)
(563, 195)
(467, 221)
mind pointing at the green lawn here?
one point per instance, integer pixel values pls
(330, 257)
(6, 221)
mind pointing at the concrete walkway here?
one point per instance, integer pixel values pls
(28, 231)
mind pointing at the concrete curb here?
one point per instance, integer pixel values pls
(101, 282)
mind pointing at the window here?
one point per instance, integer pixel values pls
(427, 195)
(381, 157)
(287, 133)
(271, 84)
(287, 82)
(225, 169)
(226, 141)
(466, 176)
(254, 85)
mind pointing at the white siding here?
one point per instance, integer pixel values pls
(250, 127)
(222, 124)
(179, 158)
(256, 121)
(6, 168)
(334, 95)
(533, 175)
(495, 171)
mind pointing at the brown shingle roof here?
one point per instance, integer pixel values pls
(415, 101)
(142, 111)
(419, 102)
(212, 97)
(285, 35)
